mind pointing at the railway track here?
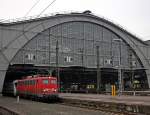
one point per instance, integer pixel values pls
(112, 108)
(28, 107)
(5, 111)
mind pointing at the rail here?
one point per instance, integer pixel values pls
(111, 107)
(6, 111)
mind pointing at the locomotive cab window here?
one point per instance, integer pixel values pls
(53, 81)
(45, 81)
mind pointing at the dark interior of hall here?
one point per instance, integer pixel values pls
(78, 79)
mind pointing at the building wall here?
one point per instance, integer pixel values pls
(17, 37)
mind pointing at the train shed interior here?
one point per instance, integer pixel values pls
(75, 78)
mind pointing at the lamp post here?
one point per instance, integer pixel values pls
(98, 71)
(119, 67)
(57, 66)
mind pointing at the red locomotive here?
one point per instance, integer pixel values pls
(37, 86)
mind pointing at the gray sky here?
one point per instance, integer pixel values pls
(133, 15)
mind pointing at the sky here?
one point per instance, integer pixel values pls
(133, 15)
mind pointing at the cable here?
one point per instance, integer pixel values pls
(32, 8)
(28, 25)
(46, 8)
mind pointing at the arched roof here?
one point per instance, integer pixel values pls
(15, 42)
(88, 14)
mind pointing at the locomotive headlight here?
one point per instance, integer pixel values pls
(54, 90)
(46, 90)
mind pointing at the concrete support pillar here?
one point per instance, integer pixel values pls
(2, 78)
(148, 76)
(3, 69)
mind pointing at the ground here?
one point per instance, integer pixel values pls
(28, 107)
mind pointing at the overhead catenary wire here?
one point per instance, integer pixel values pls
(28, 25)
(32, 8)
(46, 8)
